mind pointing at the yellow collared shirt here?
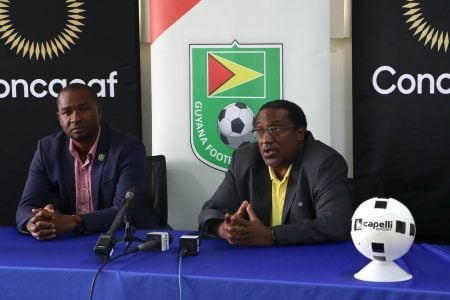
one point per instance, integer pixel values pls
(278, 194)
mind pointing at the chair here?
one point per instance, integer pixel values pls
(362, 189)
(157, 188)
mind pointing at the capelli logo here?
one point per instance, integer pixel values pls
(359, 224)
(425, 26)
(29, 30)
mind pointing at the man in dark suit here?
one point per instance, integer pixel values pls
(78, 177)
(287, 189)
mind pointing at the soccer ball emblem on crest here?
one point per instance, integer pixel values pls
(235, 124)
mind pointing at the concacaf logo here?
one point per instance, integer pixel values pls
(423, 27)
(229, 83)
(22, 26)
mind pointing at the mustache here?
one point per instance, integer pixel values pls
(267, 147)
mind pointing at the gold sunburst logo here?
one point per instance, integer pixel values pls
(424, 30)
(49, 49)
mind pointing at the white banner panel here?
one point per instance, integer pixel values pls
(213, 28)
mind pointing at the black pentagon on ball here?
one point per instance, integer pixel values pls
(224, 139)
(412, 229)
(237, 125)
(240, 105)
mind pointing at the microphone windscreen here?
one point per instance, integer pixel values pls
(189, 245)
(164, 239)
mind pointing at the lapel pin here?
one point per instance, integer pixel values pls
(101, 157)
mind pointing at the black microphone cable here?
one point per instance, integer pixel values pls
(91, 290)
(156, 241)
(129, 251)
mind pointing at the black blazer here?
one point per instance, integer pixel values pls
(317, 207)
(119, 165)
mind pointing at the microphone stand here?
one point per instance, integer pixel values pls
(128, 235)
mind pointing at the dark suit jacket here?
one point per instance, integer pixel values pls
(119, 164)
(317, 207)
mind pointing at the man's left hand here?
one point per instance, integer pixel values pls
(61, 223)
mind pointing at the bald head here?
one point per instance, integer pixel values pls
(77, 87)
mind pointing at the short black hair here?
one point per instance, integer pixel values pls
(295, 113)
(75, 87)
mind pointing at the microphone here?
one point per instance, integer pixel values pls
(189, 245)
(105, 243)
(155, 241)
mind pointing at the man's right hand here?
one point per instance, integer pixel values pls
(41, 225)
(229, 220)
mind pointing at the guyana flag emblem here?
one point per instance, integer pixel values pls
(229, 83)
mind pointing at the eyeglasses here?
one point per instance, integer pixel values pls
(273, 130)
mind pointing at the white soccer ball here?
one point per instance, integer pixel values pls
(382, 229)
(235, 124)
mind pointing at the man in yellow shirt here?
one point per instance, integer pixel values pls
(286, 189)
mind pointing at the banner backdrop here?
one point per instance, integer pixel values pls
(213, 64)
(401, 87)
(45, 45)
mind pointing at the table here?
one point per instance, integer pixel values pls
(64, 268)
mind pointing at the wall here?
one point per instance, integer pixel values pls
(341, 98)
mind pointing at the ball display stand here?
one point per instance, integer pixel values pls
(382, 271)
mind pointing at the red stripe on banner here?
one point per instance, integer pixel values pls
(163, 13)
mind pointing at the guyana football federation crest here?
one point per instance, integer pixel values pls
(229, 83)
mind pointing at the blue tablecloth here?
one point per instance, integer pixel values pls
(64, 268)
